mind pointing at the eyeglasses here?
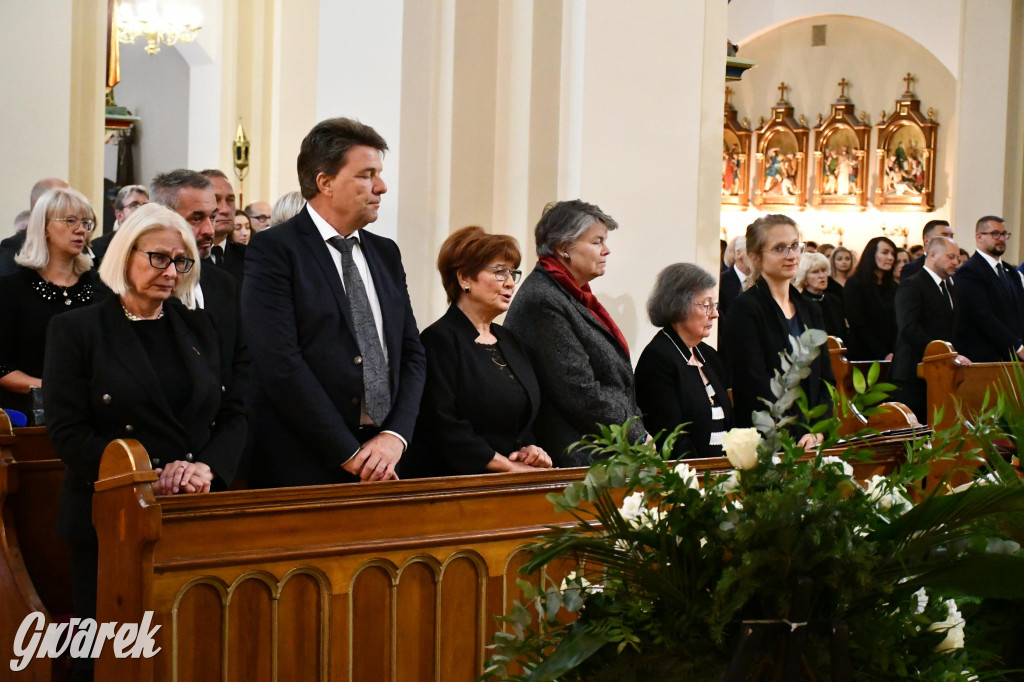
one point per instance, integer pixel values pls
(997, 235)
(134, 205)
(501, 273)
(73, 221)
(708, 306)
(160, 261)
(260, 218)
(785, 249)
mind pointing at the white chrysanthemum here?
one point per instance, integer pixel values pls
(632, 506)
(838, 461)
(688, 474)
(884, 497)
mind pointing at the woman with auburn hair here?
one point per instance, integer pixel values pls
(55, 276)
(761, 320)
(580, 354)
(141, 364)
(870, 302)
(481, 395)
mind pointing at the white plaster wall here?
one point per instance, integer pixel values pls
(204, 57)
(156, 89)
(36, 115)
(359, 75)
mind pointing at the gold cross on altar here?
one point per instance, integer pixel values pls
(909, 79)
(843, 84)
(782, 91)
(728, 94)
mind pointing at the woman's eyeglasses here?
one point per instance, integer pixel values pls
(73, 221)
(160, 261)
(785, 249)
(501, 273)
(708, 306)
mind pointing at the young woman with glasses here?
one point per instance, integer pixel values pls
(481, 395)
(141, 364)
(55, 275)
(761, 320)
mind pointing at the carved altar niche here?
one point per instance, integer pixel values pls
(841, 156)
(736, 138)
(781, 177)
(906, 156)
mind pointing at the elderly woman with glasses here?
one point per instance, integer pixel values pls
(55, 276)
(679, 378)
(141, 364)
(580, 355)
(481, 395)
(761, 320)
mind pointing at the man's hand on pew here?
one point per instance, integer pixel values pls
(533, 456)
(810, 441)
(961, 360)
(376, 460)
(183, 477)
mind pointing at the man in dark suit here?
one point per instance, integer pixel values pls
(129, 198)
(339, 367)
(990, 327)
(225, 254)
(932, 228)
(926, 307)
(731, 283)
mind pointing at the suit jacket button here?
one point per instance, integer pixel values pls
(188, 457)
(106, 398)
(358, 359)
(129, 428)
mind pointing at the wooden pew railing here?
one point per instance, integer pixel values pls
(842, 368)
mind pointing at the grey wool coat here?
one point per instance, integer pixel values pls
(585, 376)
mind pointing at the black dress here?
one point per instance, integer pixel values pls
(670, 391)
(871, 314)
(832, 312)
(27, 304)
(478, 400)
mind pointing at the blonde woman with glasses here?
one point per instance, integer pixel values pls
(55, 275)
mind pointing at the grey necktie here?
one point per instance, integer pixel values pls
(376, 388)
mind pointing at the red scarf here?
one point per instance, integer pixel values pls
(560, 273)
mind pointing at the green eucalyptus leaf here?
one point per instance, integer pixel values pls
(859, 385)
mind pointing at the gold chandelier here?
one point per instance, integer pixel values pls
(159, 27)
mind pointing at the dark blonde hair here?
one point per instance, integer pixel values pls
(469, 250)
(757, 241)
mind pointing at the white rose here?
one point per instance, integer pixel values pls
(632, 506)
(688, 474)
(740, 447)
(833, 461)
(884, 497)
(953, 626)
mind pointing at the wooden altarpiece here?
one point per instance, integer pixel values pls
(906, 156)
(736, 138)
(841, 157)
(780, 182)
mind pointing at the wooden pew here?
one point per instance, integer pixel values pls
(842, 368)
(34, 562)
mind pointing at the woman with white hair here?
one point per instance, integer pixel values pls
(55, 275)
(286, 207)
(812, 278)
(141, 364)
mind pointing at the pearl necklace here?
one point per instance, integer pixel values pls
(136, 318)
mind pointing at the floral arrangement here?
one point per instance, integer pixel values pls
(785, 567)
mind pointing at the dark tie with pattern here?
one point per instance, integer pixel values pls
(945, 293)
(376, 389)
(217, 255)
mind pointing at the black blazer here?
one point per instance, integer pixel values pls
(923, 315)
(752, 337)
(307, 383)
(234, 260)
(670, 392)
(729, 287)
(461, 425)
(221, 303)
(871, 314)
(99, 385)
(990, 326)
(99, 247)
(832, 313)
(911, 269)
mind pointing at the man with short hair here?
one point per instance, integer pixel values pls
(926, 310)
(731, 283)
(339, 367)
(129, 198)
(990, 327)
(9, 247)
(21, 221)
(259, 215)
(224, 253)
(932, 229)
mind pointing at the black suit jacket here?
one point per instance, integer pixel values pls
(221, 303)
(461, 424)
(234, 260)
(729, 287)
(8, 250)
(990, 326)
(307, 384)
(99, 247)
(871, 314)
(99, 385)
(911, 269)
(671, 392)
(753, 335)
(922, 315)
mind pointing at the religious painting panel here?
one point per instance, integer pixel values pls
(736, 140)
(840, 157)
(781, 175)
(905, 156)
